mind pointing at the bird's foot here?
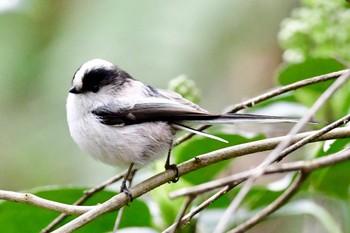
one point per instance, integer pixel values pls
(175, 169)
(125, 190)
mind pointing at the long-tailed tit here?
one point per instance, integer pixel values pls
(124, 122)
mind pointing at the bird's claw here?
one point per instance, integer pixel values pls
(175, 169)
(125, 190)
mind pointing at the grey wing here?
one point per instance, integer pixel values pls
(178, 98)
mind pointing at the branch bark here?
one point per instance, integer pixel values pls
(44, 203)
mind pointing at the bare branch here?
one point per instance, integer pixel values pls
(182, 212)
(287, 88)
(44, 203)
(199, 208)
(87, 195)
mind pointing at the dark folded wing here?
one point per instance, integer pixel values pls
(175, 112)
(148, 112)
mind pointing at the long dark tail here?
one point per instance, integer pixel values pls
(230, 119)
(241, 118)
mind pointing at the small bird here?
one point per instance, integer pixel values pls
(124, 122)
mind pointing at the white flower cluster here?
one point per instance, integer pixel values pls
(185, 87)
(318, 29)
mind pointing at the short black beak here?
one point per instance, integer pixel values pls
(74, 90)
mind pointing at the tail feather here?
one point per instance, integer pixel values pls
(230, 119)
(244, 118)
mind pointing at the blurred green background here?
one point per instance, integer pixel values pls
(229, 48)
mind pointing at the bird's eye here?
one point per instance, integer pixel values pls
(94, 89)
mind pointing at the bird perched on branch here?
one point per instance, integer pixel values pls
(124, 122)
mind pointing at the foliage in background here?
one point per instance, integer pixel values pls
(316, 34)
(185, 87)
(316, 40)
(318, 29)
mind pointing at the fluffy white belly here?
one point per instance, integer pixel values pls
(121, 145)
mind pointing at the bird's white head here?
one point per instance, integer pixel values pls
(90, 75)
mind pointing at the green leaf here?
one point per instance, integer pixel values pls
(260, 197)
(335, 146)
(333, 109)
(340, 101)
(201, 145)
(19, 217)
(333, 181)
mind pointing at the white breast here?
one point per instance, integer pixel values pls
(116, 145)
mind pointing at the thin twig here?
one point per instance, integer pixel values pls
(44, 203)
(268, 95)
(275, 153)
(87, 195)
(121, 210)
(199, 208)
(281, 200)
(118, 219)
(182, 212)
